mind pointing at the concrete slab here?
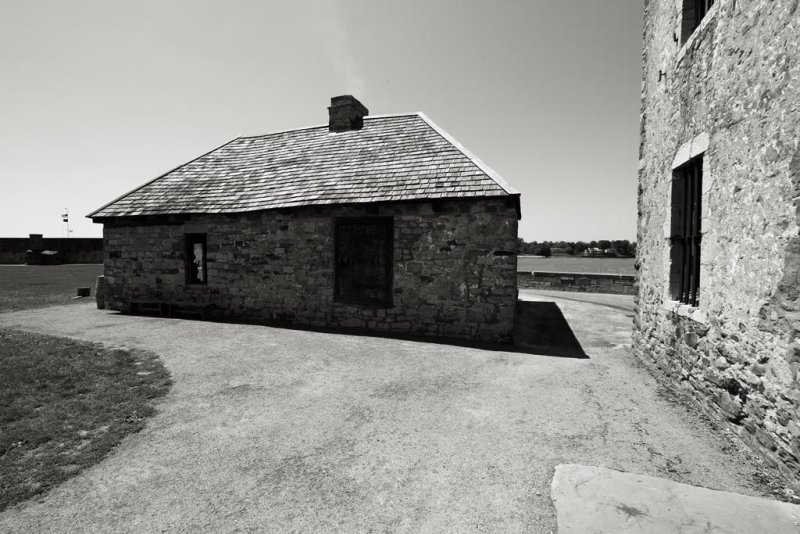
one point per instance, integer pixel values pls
(595, 500)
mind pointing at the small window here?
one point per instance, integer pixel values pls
(693, 12)
(687, 187)
(363, 252)
(196, 272)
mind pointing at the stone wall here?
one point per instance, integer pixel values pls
(12, 249)
(71, 250)
(621, 284)
(454, 272)
(730, 93)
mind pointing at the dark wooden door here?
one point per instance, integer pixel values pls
(364, 260)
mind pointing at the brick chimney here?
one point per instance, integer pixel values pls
(346, 113)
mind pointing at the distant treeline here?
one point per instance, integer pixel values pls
(603, 248)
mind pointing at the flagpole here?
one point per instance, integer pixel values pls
(65, 218)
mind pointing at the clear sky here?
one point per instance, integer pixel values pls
(98, 97)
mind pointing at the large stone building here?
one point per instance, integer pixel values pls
(718, 308)
(378, 223)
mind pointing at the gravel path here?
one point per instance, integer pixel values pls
(269, 429)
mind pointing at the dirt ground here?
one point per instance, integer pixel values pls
(269, 429)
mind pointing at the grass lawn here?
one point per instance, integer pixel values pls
(576, 264)
(64, 405)
(36, 286)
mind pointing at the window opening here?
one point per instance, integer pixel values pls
(687, 187)
(196, 272)
(693, 13)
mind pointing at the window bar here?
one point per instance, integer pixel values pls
(687, 218)
(687, 249)
(684, 271)
(690, 237)
(692, 209)
(682, 241)
(696, 236)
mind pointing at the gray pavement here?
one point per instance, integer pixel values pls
(608, 300)
(268, 429)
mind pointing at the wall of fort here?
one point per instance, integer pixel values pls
(729, 94)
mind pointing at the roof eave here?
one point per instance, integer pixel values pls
(103, 218)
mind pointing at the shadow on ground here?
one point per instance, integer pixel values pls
(542, 329)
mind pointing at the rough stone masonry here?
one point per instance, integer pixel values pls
(454, 267)
(726, 89)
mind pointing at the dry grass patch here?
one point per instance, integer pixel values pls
(64, 405)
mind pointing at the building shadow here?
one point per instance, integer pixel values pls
(542, 329)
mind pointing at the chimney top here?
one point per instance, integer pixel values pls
(346, 113)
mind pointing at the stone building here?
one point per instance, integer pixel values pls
(718, 309)
(380, 223)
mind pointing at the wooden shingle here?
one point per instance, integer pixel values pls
(393, 158)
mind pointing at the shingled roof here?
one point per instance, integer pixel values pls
(393, 158)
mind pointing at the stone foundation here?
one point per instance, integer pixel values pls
(454, 270)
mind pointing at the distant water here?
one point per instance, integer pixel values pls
(576, 264)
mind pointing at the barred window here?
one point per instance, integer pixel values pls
(685, 232)
(692, 13)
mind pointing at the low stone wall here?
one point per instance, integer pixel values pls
(622, 284)
(70, 250)
(12, 249)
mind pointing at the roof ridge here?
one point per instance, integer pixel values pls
(366, 117)
(491, 173)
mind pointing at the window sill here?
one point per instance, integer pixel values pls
(684, 310)
(363, 304)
